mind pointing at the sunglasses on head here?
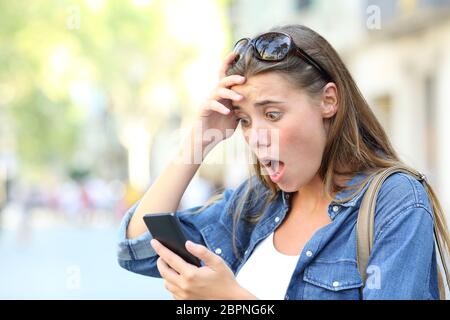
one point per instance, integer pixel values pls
(274, 47)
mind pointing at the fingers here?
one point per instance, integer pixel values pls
(172, 259)
(218, 107)
(167, 272)
(223, 93)
(174, 289)
(232, 80)
(226, 64)
(204, 254)
(222, 97)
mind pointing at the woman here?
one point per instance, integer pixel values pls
(288, 232)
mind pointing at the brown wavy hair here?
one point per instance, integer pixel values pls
(356, 142)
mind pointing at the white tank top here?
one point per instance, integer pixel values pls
(267, 272)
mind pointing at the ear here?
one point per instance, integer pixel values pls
(330, 100)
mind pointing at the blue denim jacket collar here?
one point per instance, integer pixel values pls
(345, 193)
(286, 196)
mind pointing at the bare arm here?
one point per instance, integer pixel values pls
(215, 115)
(166, 192)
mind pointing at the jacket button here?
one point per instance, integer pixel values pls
(277, 219)
(309, 253)
(286, 196)
(218, 251)
(286, 297)
(335, 208)
(336, 284)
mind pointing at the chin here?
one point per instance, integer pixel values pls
(286, 187)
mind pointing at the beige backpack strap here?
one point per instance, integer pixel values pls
(365, 221)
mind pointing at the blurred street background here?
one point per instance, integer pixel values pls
(95, 96)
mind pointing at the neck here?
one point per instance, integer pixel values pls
(311, 197)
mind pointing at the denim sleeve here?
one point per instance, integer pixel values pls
(401, 262)
(137, 255)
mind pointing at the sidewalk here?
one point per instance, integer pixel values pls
(55, 260)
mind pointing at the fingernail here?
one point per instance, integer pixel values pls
(154, 243)
(237, 97)
(190, 243)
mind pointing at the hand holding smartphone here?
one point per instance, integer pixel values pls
(166, 228)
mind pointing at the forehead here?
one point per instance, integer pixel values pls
(264, 86)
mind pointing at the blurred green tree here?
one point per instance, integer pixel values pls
(58, 55)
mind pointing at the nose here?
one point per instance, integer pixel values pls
(258, 137)
(264, 142)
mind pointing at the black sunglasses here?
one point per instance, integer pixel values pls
(275, 46)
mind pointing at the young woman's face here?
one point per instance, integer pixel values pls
(284, 124)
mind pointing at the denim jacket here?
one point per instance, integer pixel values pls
(402, 264)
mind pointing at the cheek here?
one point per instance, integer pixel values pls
(303, 141)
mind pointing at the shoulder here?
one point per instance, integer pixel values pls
(401, 190)
(401, 195)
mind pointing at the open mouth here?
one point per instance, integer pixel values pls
(274, 168)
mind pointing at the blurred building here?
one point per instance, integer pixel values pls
(403, 69)
(399, 54)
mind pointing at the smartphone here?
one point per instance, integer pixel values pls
(166, 228)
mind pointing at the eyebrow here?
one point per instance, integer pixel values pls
(260, 104)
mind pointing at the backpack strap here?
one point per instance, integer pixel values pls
(365, 221)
